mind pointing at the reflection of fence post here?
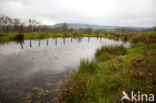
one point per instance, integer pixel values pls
(56, 42)
(71, 39)
(21, 45)
(47, 42)
(100, 40)
(39, 43)
(79, 39)
(64, 41)
(88, 39)
(30, 44)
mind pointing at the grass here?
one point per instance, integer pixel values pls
(106, 53)
(134, 36)
(34, 35)
(147, 32)
(113, 70)
(146, 37)
(10, 37)
(6, 37)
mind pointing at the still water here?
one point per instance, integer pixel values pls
(36, 69)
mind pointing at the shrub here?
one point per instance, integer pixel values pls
(19, 36)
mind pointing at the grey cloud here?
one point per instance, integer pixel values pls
(102, 12)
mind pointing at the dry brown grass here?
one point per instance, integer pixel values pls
(145, 38)
(76, 92)
(144, 68)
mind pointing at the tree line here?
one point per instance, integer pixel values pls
(18, 26)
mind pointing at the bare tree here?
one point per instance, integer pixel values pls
(77, 31)
(64, 28)
(88, 30)
(100, 31)
(16, 22)
(30, 24)
(8, 22)
(38, 24)
(5, 24)
(1, 24)
(21, 28)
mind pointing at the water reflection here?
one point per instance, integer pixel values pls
(47, 42)
(32, 66)
(30, 44)
(64, 41)
(39, 43)
(71, 40)
(88, 39)
(56, 41)
(100, 40)
(21, 43)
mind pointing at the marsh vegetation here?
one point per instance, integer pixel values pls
(35, 58)
(114, 69)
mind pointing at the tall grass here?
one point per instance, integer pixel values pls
(144, 37)
(113, 70)
(90, 81)
(88, 66)
(106, 53)
(78, 84)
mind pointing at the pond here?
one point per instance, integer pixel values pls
(34, 70)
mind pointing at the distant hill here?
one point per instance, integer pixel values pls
(78, 25)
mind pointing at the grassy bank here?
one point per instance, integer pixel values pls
(35, 35)
(31, 36)
(113, 70)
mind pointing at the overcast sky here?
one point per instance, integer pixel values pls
(101, 12)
